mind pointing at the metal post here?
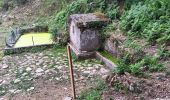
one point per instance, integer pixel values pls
(71, 71)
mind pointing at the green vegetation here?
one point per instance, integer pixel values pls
(148, 20)
(139, 68)
(94, 93)
(109, 56)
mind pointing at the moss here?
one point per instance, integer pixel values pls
(110, 57)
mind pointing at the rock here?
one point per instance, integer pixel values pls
(2, 99)
(41, 54)
(24, 74)
(89, 65)
(104, 71)
(136, 88)
(57, 63)
(12, 91)
(30, 89)
(39, 74)
(90, 68)
(39, 70)
(57, 78)
(4, 66)
(104, 77)
(47, 71)
(1, 81)
(65, 88)
(93, 72)
(17, 81)
(4, 82)
(60, 67)
(28, 69)
(67, 98)
(18, 91)
(45, 66)
(96, 66)
(86, 72)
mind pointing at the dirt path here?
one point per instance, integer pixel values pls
(44, 75)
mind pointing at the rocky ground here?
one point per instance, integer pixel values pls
(45, 75)
(127, 87)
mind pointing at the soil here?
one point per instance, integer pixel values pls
(155, 86)
(45, 75)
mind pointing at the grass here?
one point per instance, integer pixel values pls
(94, 93)
(110, 56)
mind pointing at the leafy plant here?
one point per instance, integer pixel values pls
(122, 68)
(163, 53)
(136, 69)
(153, 64)
(149, 20)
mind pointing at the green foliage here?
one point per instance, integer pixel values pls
(107, 31)
(109, 56)
(153, 64)
(139, 68)
(149, 20)
(136, 69)
(119, 87)
(122, 68)
(58, 24)
(94, 93)
(163, 53)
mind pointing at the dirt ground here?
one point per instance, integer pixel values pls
(155, 87)
(45, 75)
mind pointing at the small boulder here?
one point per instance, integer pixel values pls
(104, 71)
(17, 81)
(28, 69)
(4, 66)
(67, 98)
(39, 70)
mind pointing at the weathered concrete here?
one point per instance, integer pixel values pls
(84, 32)
(107, 62)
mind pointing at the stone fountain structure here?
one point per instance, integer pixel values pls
(84, 32)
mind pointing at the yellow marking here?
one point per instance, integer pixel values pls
(31, 39)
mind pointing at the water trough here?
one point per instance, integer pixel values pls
(24, 39)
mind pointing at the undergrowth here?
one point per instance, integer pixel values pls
(148, 20)
(140, 68)
(94, 93)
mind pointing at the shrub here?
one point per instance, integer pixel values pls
(136, 69)
(149, 20)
